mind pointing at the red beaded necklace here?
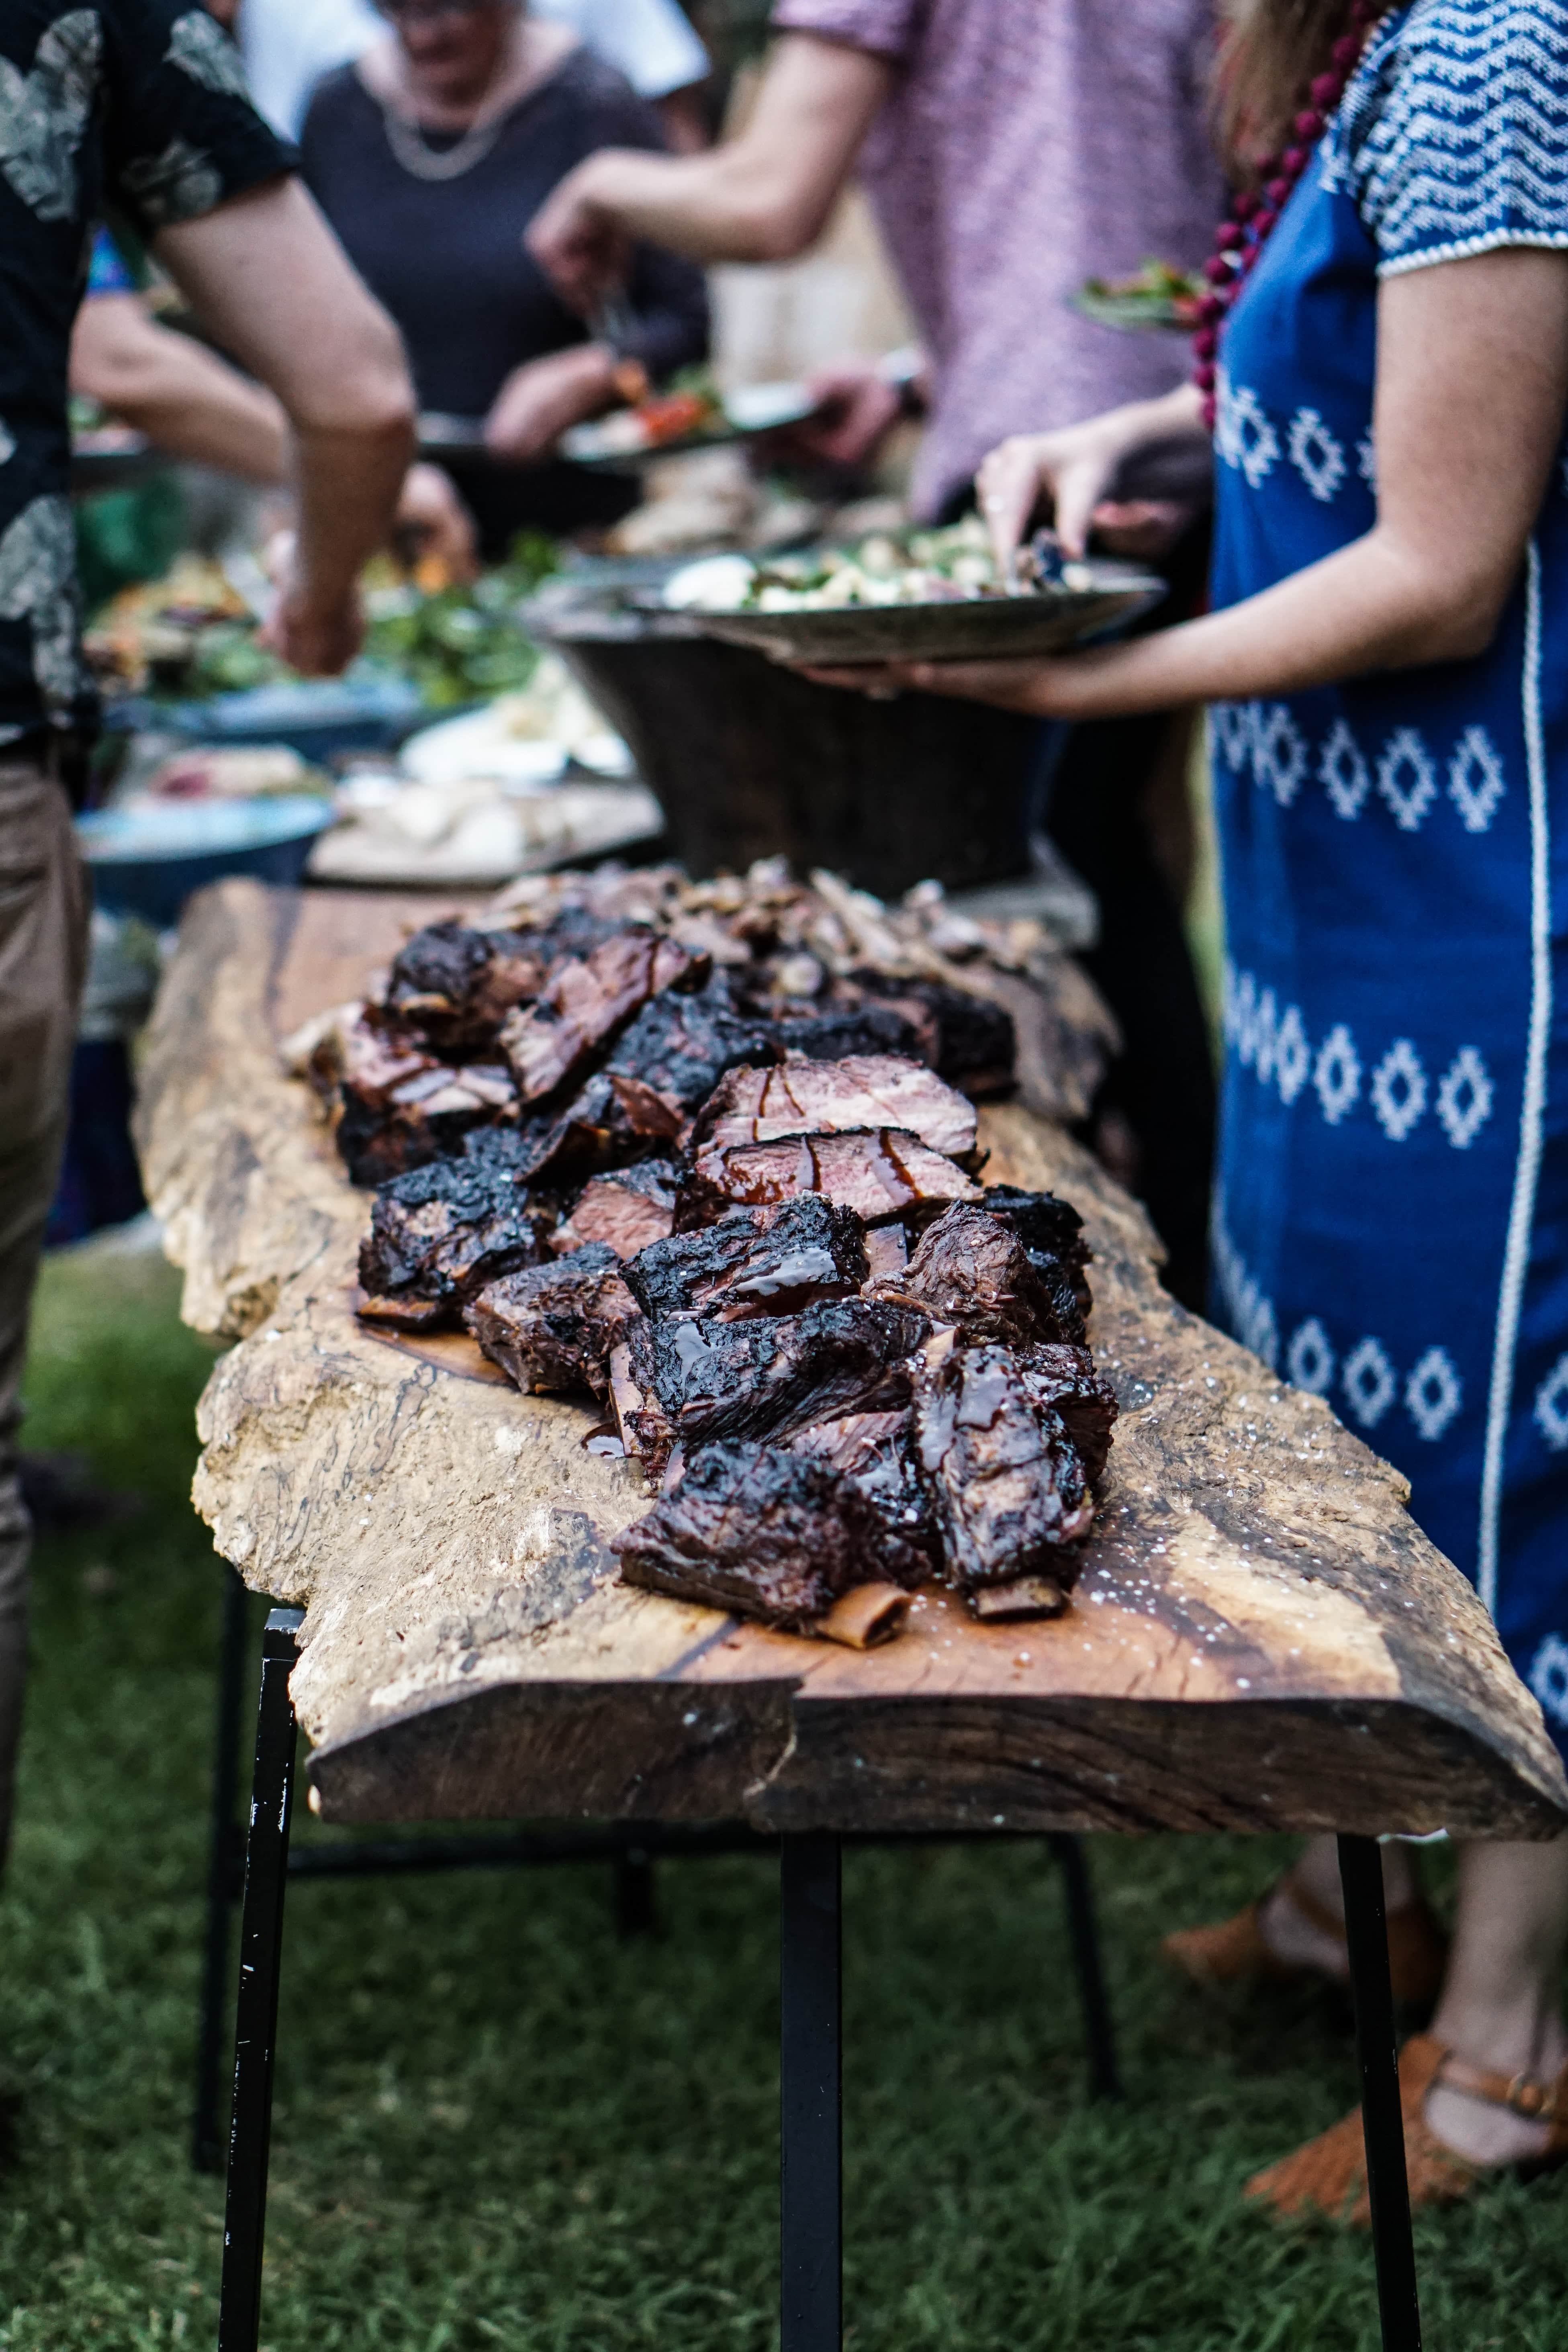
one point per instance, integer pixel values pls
(1243, 234)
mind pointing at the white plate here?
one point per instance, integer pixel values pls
(457, 749)
(493, 840)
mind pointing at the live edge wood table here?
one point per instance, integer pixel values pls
(1261, 1638)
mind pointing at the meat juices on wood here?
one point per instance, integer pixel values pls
(853, 1369)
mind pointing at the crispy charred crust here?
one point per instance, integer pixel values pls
(764, 1377)
(556, 1326)
(764, 1532)
(681, 1045)
(439, 1236)
(386, 1131)
(864, 1092)
(456, 986)
(1047, 1228)
(876, 1452)
(878, 1174)
(1011, 1493)
(967, 1038)
(630, 1209)
(972, 1270)
(587, 1002)
(755, 1261)
(1064, 1379)
(827, 1033)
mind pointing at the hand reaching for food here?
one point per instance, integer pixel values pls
(544, 397)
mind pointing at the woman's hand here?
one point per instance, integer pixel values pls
(432, 515)
(1040, 689)
(543, 398)
(1072, 472)
(576, 239)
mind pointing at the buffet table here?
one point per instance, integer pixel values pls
(1260, 1639)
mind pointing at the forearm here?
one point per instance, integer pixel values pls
(178, 394)
(346, 489)
(725, 206)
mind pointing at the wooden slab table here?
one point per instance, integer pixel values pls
(1261, 1638)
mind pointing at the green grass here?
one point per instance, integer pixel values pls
(497, 2126)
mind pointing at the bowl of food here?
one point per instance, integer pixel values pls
(147, 854)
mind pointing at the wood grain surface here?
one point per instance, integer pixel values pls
(1261, 1637)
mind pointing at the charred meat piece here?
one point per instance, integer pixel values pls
(755, 1261)
(438, 1234)
(556, 1326)
(882, 1173)
(630, 1209)
(826, 1032)
(388, 1130)
(609, 1123)
(971, 1270)
(1064, 1379)
(865, 1090)
(681, 1045)
(764, 1532)
(587, 1002)
(1011, 1491)
(1047, 1228)
(887, 1249)
(967, 1039)
(456, 985)
(876, 1452)
(762, 1376)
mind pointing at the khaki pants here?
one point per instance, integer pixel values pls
(43, 960)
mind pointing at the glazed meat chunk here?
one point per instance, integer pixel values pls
(1011, 1491)
(456, 986)
(878, 1174)
(681, 1045)
(1047, 1228)
(629, 1209)
(1064, 1379)
(972, 1271)
(967, 1039)
(556, 1326)
(876, 1452)
(585, 1003)
(755, 1261)
(437, 1235)
(862, 1091)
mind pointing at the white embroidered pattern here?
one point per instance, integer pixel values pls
(1233, 727)
(1342, 772)
(1250, 1313)
(1310, 1359)
(1552, 1406)
(1292, 1055)
(1279, 753)
(1399, 1090)
(1368, 1382)
(1317, 455)
(44, 114)
(1244, 438)
(1549, 1677)
(1464, 1097)
(1366, 462)
(1404, 751)
(1337, 1073)
(8, 443)
(1475, 778)
(1432, 1394)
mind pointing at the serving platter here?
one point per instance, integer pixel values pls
(613, 441)
(1043, 619)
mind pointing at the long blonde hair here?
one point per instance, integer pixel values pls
(1269, 53)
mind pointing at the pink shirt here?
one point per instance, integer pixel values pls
(1027, 145)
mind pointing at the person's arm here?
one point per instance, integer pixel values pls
(181, 395)
(271, 283)
(764, 196)
(1472, 384)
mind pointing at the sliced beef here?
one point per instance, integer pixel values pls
(609, 1123)
(764, 1532)
(556, 1326)
(887, 1249)
(967, 1038)
(456, 985)
(1012, 1493)
(755, 1261)
(585, 1003)
(876, 1452)
(630, 1209)
(762, 1376)
(1047, 1228)
(878, 1174)
(1065, 1381)
(866, 1090)
(682, 1044)
(972, 1271)
(438, 1234)
(388, 1130)
(827, 1033)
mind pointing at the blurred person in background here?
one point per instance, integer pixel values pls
(1010, 149)
(431, 156)
(141, 102)
(288, 45)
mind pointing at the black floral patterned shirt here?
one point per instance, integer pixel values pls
(140, 103)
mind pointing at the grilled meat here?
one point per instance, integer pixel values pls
(876, 1452)
(765, 1376)
(764, 1532)
(826, 1031)
(441, 1233)
(682, 1044)
(967, 1039)
(585, 1003)
(554, 1326)
(881, 1174)
(454, 986)
(887, 1249)
(1011, 1493)
(755, 1261)
(629, 1209)
(864, 1091)
(1047, 1228)
(1065, 1381)
(972, 1271)
(387, 1128)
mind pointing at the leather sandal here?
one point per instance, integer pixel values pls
(1328, 2177)
(1236, 1951)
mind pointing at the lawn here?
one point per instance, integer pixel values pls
(497, 2126)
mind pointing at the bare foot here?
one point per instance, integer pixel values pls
(1489, 2135)
(1291, 1936)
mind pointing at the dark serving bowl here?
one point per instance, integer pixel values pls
(749, 760)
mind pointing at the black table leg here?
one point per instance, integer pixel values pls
(811, 2204)
(1360, 1874)
(255, 2018)
(1083, 1934)
(637, 1906)
(225, 1867)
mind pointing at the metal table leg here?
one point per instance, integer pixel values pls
(256, 2018)
(811, 2202)
(636, 1905)
(1083, 1933)
(225, 1867)
(1360, 1874)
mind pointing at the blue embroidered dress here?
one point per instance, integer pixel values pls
(1391, 1225)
